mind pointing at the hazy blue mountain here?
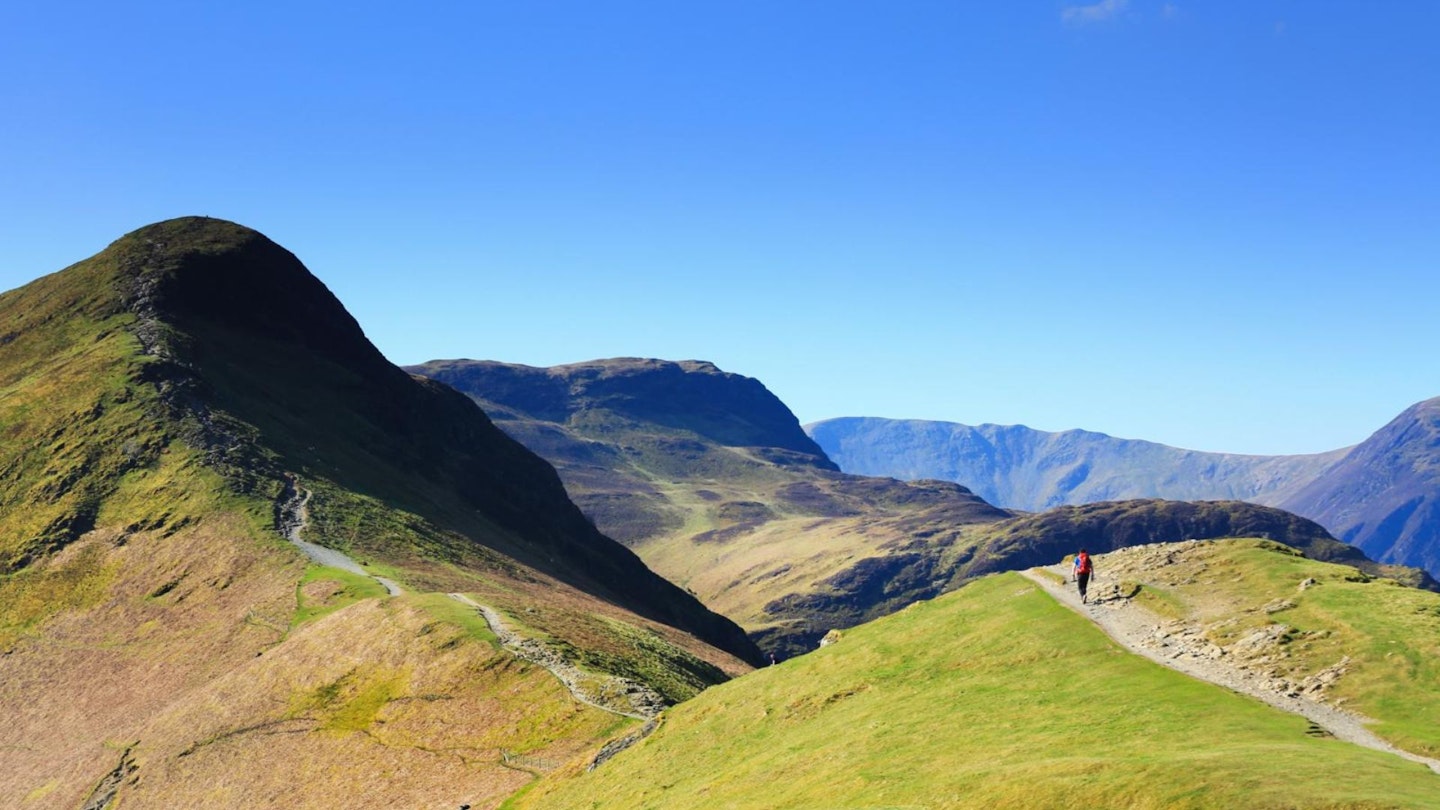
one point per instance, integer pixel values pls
(1021, 468)
(1384, 496)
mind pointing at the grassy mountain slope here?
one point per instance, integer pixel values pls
(1028, 469)
(769, 535)
(710, 479)
(155, 624)
(1384, 496)
(994, 696)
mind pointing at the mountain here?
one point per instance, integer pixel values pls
(1384, 495)
(709, 478)
(1028, 469)
(771, 535)
(175, 410)
(998, 696)
(1042, 538)
(1380, 495)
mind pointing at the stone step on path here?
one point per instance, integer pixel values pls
(1131, 626)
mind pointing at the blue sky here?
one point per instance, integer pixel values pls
(1214, 225)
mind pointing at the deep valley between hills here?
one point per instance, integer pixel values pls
(245, 561)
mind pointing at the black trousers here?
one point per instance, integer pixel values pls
(1083, 580)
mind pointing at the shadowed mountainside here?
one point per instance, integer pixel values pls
(157, 401)
(1042, 538)
(783, 545)
(1384, 496)
(709, 477)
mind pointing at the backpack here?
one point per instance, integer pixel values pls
(1082, 563)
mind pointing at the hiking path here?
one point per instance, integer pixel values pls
(1148, 635)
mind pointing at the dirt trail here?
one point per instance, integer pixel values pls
(292, 515)
(1135, 629)
(645, 703)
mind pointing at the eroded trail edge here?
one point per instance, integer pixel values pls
(644, 703)
(1132, 626)
(292, 515)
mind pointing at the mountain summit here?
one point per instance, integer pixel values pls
(693, 396)
(1384, 496)
(178, 408)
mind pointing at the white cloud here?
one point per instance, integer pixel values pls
(1095, 12)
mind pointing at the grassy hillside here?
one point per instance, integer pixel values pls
(709, 478)
(771, 537)
(155, 625)
(993, 696)
(1291, 619)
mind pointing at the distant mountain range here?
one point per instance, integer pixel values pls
(1382, 495)
(246, 561)
(711, 480)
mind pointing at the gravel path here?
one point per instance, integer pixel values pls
(292, 513)
(644, 702)
(1137, 629)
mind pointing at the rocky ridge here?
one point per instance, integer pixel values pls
(1257, 657)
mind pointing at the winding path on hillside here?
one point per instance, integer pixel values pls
(1130, 625)
(292, 514)
(645, 702)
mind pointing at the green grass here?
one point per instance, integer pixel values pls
(1390, 632)
(455, 613)
(33, 595)
(1160, 601)
(350, 588)
(994, 696)
(351, 702)
(608, 646)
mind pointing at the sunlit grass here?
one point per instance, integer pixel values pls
(994, 696)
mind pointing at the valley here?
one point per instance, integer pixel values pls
(1378, 495)
(244, 560)
(710, 479)
(176, 411)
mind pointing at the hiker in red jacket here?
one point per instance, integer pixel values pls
(1083, 569)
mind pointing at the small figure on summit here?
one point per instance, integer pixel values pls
(1084, 567)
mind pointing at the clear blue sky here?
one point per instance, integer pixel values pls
(1210, 224)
